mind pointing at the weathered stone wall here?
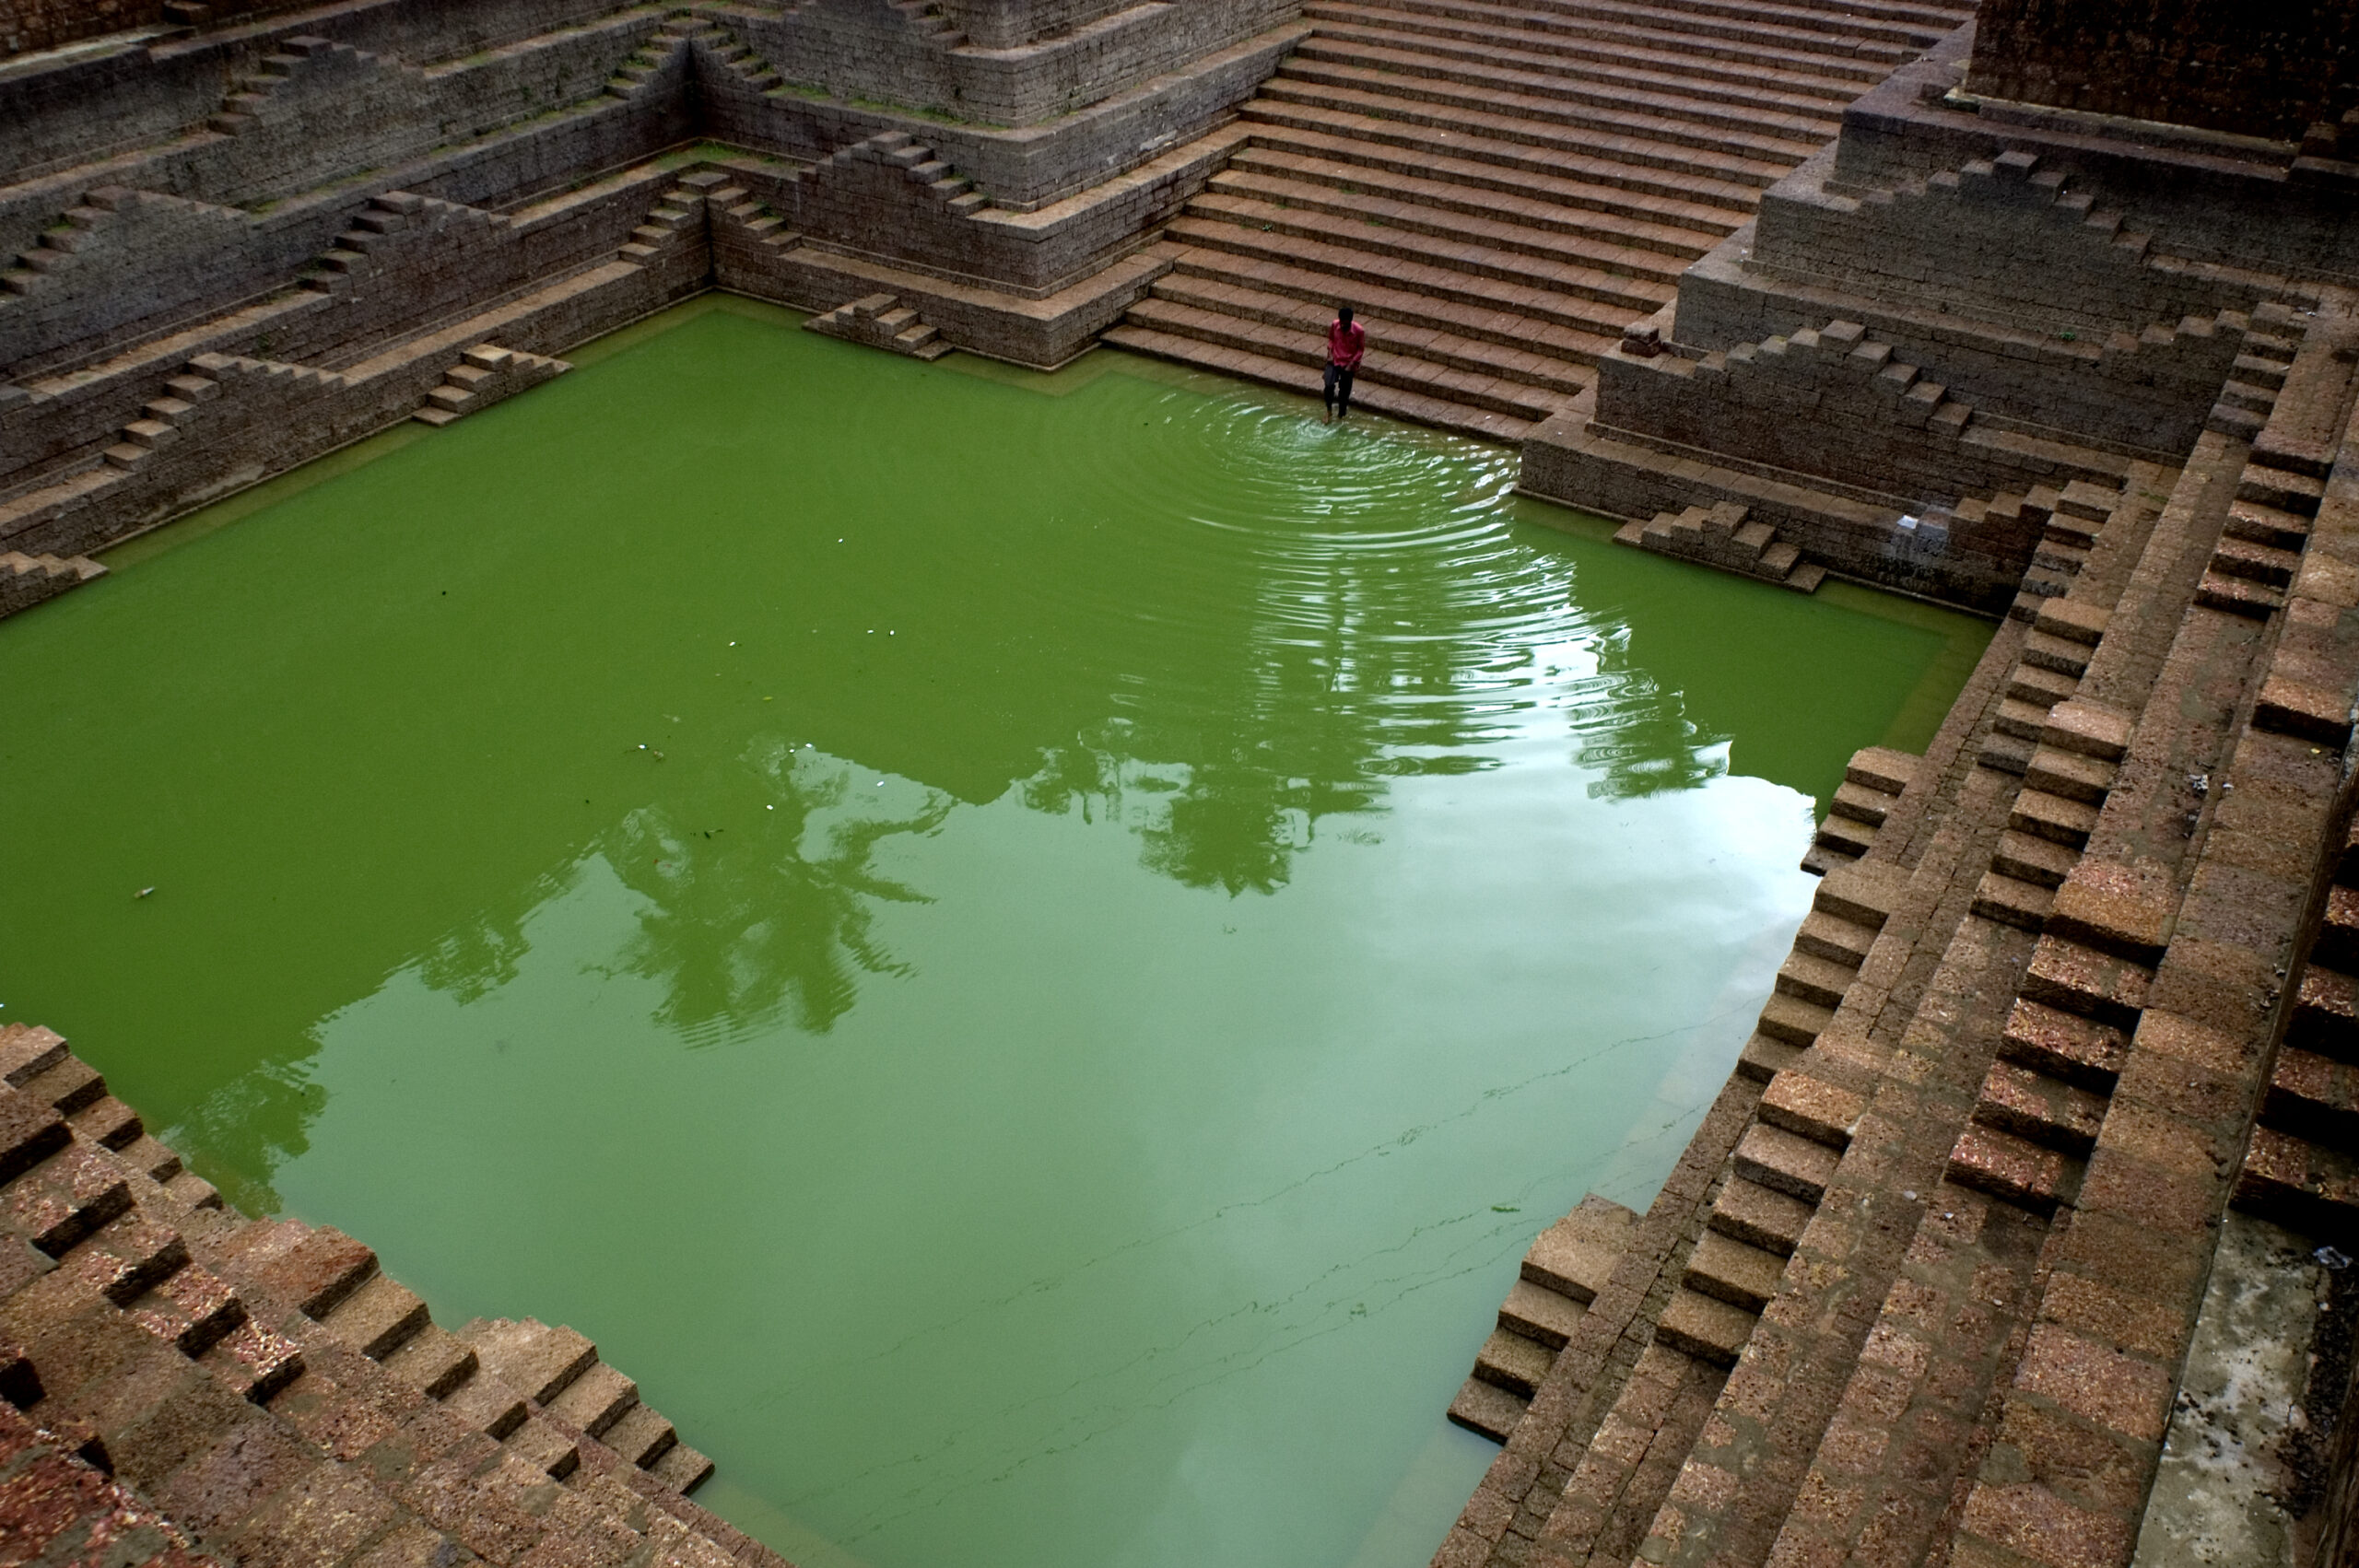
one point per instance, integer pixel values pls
(2261, 70)
(2202, 196)
(1829, 402)
(1020, 170)
(27, 25)
(895, 56)
(1009, 24)
(2007, 238)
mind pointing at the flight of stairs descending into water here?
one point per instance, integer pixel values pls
(1722, 536)
(881, 320)
(1566, 1268)
(1501, 190)
(26, 581)
(2302, 1168)
(263, 1383)
(1873, 781)
(485, 375)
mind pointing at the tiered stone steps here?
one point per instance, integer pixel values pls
(632, 78)
(26, 581)
(1872, 783)
(2253, 565)
(486, 374)
(253, 91)
(267, 1386)
(881, 320)
(1724, 536)
(1498, 190)
(2301, 1166)
(1561, 1275)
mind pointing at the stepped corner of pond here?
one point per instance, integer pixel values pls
(1025, 953)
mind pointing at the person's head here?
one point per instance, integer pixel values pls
(1344, 314)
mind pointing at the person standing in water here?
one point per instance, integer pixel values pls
(1346, 341)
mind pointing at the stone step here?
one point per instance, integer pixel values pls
(1540, 1315)
(1370, 134)
(433, 1361)
(1794, 1020)
(2300, 1185)
(1865, 895)
(1705, 1326)
(1510, 1360)
(682, 1469)
(1529, 40)
(1861, 804)
(1511, 76)
(2063, 656)
(1575, 1257)
(1883, 768)
(2006, 752)
(1762, 1057)
(2069, 775)
(536, 1359)
(2064, 1045)
(1304, 301)
(1661, 216)
(2238, 596)
(2264, 563)
(1487, 1408)
(1463, 131)
(2013, 1169)
(2326, 1013)
(1760, 1216)
(1835, 939)
(2267, 525)
(2073, 978)
(2313, 1097)
(1432, 207)
(1234, 252)
(1785, 1161)
(2040, 688)
(2297, 493)
(596, 1400)
(2040, 1109)
(1582, 276)
(2060, 821)
(1735, 1271)
(1846, 835)
(1670, 133)
(1906, 28)
(1300, 322)
(1865, 61)
(378, 1318)
(641, 1436)
(1819, 981)
(1416, 407)
(2028, 857)
(1381, 368)
(2011, 901)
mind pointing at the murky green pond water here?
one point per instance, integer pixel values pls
(1027, 953)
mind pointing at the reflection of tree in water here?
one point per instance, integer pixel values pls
(1390, 663)
(1636, 733)
(746, 921)
(748, 913)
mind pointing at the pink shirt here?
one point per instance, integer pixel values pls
(1346, 345)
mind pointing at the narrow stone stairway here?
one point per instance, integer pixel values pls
(1499, 190)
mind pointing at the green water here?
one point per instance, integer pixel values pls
(1027, 953)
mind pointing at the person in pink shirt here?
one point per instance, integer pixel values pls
(1346, 341)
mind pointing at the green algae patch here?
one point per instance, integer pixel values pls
(1025, 953)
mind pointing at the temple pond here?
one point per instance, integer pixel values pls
(1025, 953)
